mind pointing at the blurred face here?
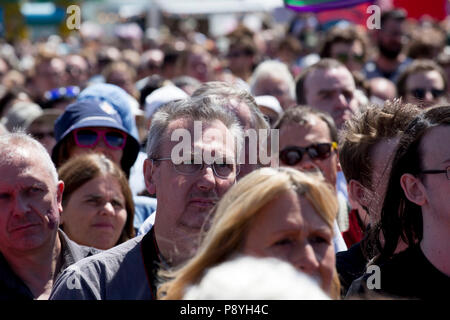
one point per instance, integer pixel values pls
(314, 132)
(390, 39)
(95, 214)
(275, 87)
(350, 54)
(198, 66)
(30, 204)
(436, 156)
(240, 60)
(290, 229)
(115, 154)
(332, 91)
(43, 134)
(185, 200)
(49, 75)
(78, 70)
(122, 79)
(424, 88)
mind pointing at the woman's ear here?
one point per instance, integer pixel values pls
(414, 189)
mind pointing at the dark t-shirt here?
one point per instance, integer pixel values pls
(350, 265)
(409, 275)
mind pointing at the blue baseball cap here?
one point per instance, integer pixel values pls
(119, 99)
(94, 113)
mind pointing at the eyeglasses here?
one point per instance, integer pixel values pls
(89, 137)
(446, 171)
(220, 170)
(320, 151)
(345, 57)
(420, 93)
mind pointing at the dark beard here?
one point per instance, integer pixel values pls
(389, 53)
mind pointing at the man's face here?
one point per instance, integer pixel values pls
(436, 156)
(424, 88)
(390, 38)
(30, 204)
(276, 87)
(332, 90)
(314, 132)
(350, 54)
(185, 201)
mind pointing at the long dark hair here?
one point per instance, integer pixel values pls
(401, 218)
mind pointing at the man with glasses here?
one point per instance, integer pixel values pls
(423, 83)
(308, 142)
(416, 210)
(193, 148)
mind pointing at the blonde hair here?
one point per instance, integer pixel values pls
(234, 216)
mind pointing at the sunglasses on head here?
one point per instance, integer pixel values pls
(420, 93)
(89, 137)
(320, 151)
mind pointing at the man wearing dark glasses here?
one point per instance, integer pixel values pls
(308, 142)
(186, 192)
(423, 83)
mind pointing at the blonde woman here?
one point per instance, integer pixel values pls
(280, 213)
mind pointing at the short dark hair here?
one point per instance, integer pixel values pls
(346, 35)
(397, 14)
(326, 63)
(422, 65)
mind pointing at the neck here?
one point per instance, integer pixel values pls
(38, 269)
(435, 243)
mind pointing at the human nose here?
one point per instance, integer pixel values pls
(428, 96)
(20, 205)
(107, 209)
(307, 164)
(341, 101)
(305, 259)
(207, 179)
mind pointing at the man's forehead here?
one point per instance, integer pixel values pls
(434, 145)
(311, 123)
(330, 78)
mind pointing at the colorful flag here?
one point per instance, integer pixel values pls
(321, 5)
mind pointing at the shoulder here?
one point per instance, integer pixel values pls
(89, 278)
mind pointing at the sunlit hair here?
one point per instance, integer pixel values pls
(234, 217)
(365, 130)
(231, 92)
(83, 168)
(199, 109)
(19, 144)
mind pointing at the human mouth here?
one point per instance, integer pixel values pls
(103, 226)
(24, 227)
(203, 202)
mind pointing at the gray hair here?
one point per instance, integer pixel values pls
(200, 109)
(273, 69)
(228, 91)
(20, 144)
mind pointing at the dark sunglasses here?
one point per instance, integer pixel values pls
(293, 155)
(89, 137)
(420, 93)
(345, 57)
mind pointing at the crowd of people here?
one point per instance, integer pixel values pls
(136, 167)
